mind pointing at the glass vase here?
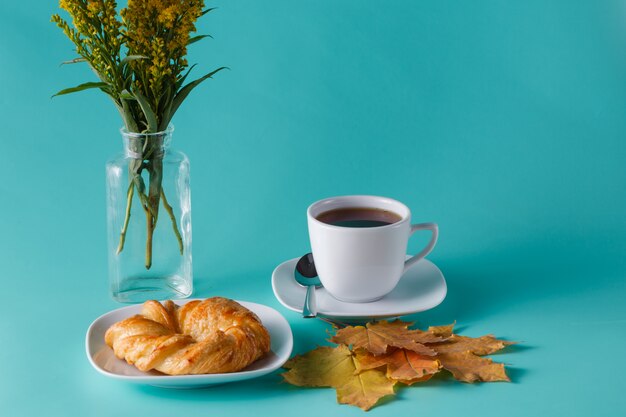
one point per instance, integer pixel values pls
(149, 220)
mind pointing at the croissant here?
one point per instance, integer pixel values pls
(215, 335)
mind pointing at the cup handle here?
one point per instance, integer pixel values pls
(433, 240)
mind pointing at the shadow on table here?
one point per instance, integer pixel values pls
(524, 272)
(253, 390)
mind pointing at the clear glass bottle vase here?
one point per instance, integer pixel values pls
(149, 220)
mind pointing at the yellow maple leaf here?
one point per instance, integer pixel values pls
(336, 367)
(321, 367)
(401, 364)
(376, 337)
(365, 389)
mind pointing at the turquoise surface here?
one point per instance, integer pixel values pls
(503, 121)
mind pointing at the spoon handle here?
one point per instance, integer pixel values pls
(309, 310)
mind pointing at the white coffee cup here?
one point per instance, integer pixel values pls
(363, 264)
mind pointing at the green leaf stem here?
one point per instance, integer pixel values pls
(184, 92)
(82, 87)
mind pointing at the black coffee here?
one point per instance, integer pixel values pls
(359, 217)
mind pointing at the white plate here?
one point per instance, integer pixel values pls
(421, 288)
(104, 360)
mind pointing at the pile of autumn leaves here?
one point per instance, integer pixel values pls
(370, 360)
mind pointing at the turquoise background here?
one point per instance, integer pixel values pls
(503, 121)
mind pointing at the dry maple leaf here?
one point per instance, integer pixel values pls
(415, 381)
(467, 367)
(321, 367)
(458, 354)
(365, 389)
(484, 345)
(443, 331)
(402, 365)
(414, 356)
(378, 336)
(336, 367)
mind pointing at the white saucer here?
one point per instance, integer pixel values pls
(104, 360)
(421, 288)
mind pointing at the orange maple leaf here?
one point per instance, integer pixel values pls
(467, 367)
(461, 355)
(401, 364)
(443, 331)
(376, 337)
(484, 345)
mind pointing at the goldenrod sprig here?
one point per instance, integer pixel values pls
(138, 54)
(139, 57)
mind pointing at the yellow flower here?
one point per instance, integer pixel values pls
(94, 6)
(140, 51)
(167, 17)
(160, 31)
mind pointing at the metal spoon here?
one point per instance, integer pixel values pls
(306, 275)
